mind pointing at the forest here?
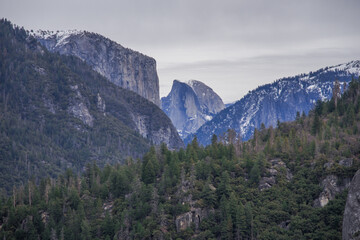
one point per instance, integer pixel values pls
(264, 188)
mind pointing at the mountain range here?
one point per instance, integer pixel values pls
(278, 101)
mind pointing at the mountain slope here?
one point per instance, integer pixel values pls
(124, 67)
(280, 100)
(265, 188)
(57, 113)
(190, 105)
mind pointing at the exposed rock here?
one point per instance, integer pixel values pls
(266, 182)
(189, 106)
(124, 67)
(185, 220)
(351, 220)
(328, 165)
(107, 208)
(346, 162)
(80, 111)
(195, 215)
(331, 187)
(44, 217)
(210, 102)
(101, 104)
(272, 172)
(164, 134)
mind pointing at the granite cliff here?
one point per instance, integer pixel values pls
(351, 220)
(190, 105)
(122, 66)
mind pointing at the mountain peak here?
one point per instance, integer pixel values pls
(191, 104)
(280, 100)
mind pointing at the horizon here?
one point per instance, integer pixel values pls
(232, 46)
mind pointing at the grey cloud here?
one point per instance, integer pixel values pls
(228, 42)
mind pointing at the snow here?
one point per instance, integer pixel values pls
(352, 67)
(312, 87)
(60, 36)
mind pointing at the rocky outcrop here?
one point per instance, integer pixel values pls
(79, 109)
(124, 67)
(280, 100)
(190, 105)
(183, 195)
(331, 185)
(185, 220)
(157, 133)
(276, 167)
(351, 220)
(209, 101)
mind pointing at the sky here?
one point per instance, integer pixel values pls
(233, 46)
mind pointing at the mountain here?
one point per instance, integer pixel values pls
(280, 100)
(264, 188)
(56, 113)
(122, 66)
(190, 105)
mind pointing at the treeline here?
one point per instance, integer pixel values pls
(210, 192)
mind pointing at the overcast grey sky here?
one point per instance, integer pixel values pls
(231, 45)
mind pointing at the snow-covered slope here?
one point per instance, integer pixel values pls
(277, 101)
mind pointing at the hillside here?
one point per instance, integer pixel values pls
(280, 100)
(57, 113)
(288, 182)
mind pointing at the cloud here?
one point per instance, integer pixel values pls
(232, 45)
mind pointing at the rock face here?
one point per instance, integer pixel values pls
(276, 166)
(280, 100)
(195, 216)
(124, 67)
(210, 102)
(331, 187)
(190, 105)
(351, 221)
(72, 115)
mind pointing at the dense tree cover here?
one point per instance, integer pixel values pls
(39, 135)
(145, 199)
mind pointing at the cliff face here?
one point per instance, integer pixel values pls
(124, 67)
(351, 221)
(280, 100)
(67, 115)
(190, 105)
(209, 101)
